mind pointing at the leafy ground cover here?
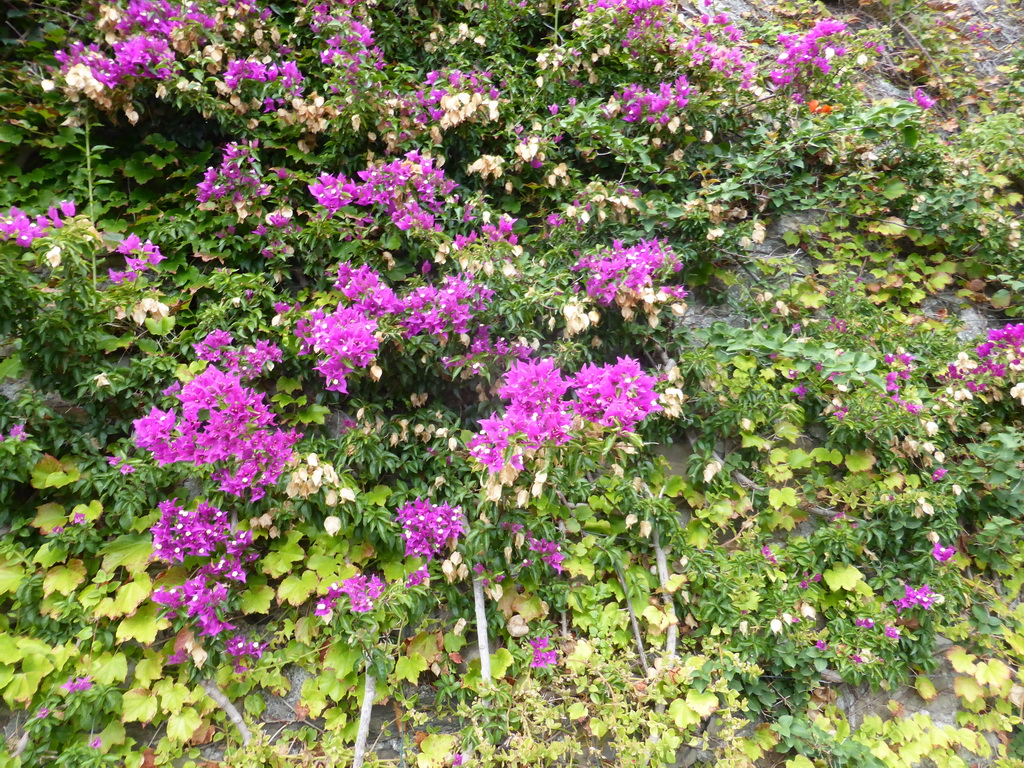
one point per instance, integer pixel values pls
(635, 377)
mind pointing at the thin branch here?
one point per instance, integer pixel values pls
(632, 618)
(673, 630)
(363, 734)
(229, 709)
(481, 630)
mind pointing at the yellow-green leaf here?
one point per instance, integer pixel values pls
(183, 726)
(860, 461)
(842, 576)
(409, 667)
(64, 578)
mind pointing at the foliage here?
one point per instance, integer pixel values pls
(644, 317)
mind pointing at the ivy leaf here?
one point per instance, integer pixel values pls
(962, 661)
(132, 552)
(967, 688)
(51, 472)
(257, 599)
(500, 662)
(435, 750)
(925, 688)
(64, 578)
(11, 577)
(295, 590)
(409, 668)
(48, 517)
(702, 703)
(842, 576)
(142, 626)
(131, 595)
(682, 714)
(895, 188)
(782, 497)
(860, 461)
(183, 726)
(109, 668)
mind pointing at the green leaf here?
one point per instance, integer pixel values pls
(142, 626)
(436, 750)
(500, 662)
(295, 590)
(682, 714)
(131, 551)
(408, 668)
(109, 668)
(895, 188)
(160, 327)
(64, 579)
(842, 576)
(257, 599)
(577, 711)
(782, 497)
(925, 688)
(183, 726)
(11, 577)
(378, 496)
(10, 367)
(54, 473)
(860, 461)
(130, 595)
(702, 703)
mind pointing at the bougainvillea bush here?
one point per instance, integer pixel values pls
(577, 382)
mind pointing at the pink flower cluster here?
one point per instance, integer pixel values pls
(615, 395)
(714, 43)
(409, 190)
(204, 532)
(343, 340)
(237, 177)
(74, 685)
(541, 656)
(645, 20)
(221, 423)
(1001, 354)
(427, 528)
(139, 256)
(141, 56)
(347, 39)
(244, 362)
(17, 433)
(201, 532)
(445, 308)
(902, 365)
(923, 100)
(287, 75)
(640, 104)
(484, 351)
(922, 597)
(423, 106)
(805, 53)
(535, 416)
(629, 269)
(943, 554)
(550, 551)
(17, 226)
(362, 591)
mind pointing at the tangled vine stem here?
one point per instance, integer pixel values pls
(215, 693)
(483, 642)
(363, 734)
